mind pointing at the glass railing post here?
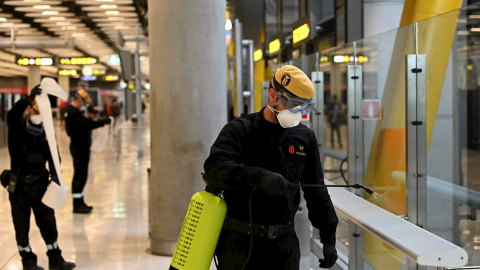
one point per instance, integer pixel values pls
(416, 128)
(318, 123)
(355, 157)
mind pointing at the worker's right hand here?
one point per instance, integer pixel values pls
(274, 184)
(34, 92)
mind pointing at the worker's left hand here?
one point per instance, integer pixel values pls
(34, 92)
(329, 256)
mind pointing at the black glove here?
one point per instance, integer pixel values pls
(329, 256)
(106, 121)
(274, 184)
(34, 92)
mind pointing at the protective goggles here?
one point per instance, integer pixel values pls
(295, 104)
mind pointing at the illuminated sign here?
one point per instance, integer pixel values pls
(67, 72)
(228, 37)
(14, 90)
(349, 58)
(274, 46)
(98, 72)
(362, 59)
(301, 33)
(111, 78)
(114, 60)
(35, 61)
(323, 59)
(257, 55)
(89, 78)
(78, 60)
(304, 29)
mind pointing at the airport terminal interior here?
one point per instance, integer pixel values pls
(398, 111)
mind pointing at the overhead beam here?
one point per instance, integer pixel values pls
(79, 13)
(141, 7)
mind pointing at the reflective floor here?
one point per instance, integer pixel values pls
(115, 234)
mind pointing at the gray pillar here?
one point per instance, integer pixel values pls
(34, 77)
(64, 82)
(188, 107)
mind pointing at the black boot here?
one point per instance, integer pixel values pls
(29, 261)
(79, 207)
(56, 261)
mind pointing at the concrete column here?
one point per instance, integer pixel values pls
(188, 107)
(34, 77)
(64, 82)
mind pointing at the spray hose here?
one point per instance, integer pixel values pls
(357, 186)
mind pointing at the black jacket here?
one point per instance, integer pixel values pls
(79, 128)
(249, 145)
(28, 152)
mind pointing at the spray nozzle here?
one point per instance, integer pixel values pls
(368, 190)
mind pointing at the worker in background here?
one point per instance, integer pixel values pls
(28, 181)
(334, 117)
(256, 160)
(79, 126)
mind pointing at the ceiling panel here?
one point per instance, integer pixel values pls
(27, 3)
(97, 3)
(66, 28)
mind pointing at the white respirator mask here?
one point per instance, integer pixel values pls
(286, 118)
(36, 119)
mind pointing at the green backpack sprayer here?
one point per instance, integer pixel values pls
(203, 224)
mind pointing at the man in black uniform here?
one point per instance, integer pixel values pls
(334, 115)
(29, 152)
(79, 128)
(257, 159)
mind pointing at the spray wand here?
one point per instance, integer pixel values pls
(357, 186)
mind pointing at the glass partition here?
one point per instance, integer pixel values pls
(453, 120)
(452, 50)
(382, 58)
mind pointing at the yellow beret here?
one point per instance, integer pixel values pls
(84, 95)
(295, 81)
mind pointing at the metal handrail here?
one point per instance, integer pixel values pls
(418, 244)
(466, 267)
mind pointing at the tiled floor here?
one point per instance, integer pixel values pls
(115, 234)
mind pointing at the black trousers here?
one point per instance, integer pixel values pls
(81, 158)
(279, 254)
(27, 197)
(335, 127)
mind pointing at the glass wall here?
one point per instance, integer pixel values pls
(452, 49)
(290, 14)
(271, 27)
(321, 9)
(451, 45)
